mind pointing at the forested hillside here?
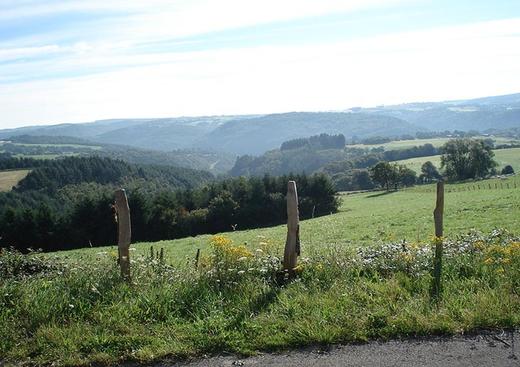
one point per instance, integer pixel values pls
(257, 135)
(50, 175)
(324, 153)
(80, 215)
(46, 147)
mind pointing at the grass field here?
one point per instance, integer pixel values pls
(93, 147)
(8, 179)
(374, 218)
(436, 142)
(502, 156)
(50, 153)
(357, 280)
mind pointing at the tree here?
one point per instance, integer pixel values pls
(407, 176)
(429, 172)
(384, 174)
(361, 179)
(508, 170)
(221, 211)
(467, 158)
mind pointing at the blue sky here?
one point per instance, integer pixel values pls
(78, 60)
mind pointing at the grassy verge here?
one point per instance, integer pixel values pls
(238, 302)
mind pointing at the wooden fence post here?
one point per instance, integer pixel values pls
(437, 262)
(197, 259)
(124, 232)
(292, 244)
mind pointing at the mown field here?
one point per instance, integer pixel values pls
(503, 157)
(436, 142)
(364, 273)
(8, 179)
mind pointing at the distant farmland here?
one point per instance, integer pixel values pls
(436, 142)
(502, 156)
(8, 179)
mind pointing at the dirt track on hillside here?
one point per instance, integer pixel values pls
(483, 349)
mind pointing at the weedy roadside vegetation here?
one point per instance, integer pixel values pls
(236, 300)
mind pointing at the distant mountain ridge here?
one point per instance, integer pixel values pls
(480, 114)
(256, 134)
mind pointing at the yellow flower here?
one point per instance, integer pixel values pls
(298, 268)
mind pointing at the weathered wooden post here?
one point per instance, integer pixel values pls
(197, 259)
(437, 262)
(292, 245)
(124, 232)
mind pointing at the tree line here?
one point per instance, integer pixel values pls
(82, 215)
(461, 159)
(317, 142)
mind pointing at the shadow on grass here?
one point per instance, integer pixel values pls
(257, 305)
(382, 194)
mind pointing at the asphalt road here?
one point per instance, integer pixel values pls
(484, 349)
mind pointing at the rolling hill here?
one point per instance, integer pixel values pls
(481, 114)
(256, 134)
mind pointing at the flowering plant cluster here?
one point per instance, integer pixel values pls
(230, 262)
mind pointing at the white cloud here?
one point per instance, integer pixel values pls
(165, 19)
(453, 62)
(20, 52)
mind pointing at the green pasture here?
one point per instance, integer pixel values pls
(436, 142)
(370, 219)
(503, 157)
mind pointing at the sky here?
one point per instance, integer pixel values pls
(66, 61)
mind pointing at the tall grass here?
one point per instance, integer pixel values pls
(69, 313)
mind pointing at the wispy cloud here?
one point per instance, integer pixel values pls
(161, 58)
